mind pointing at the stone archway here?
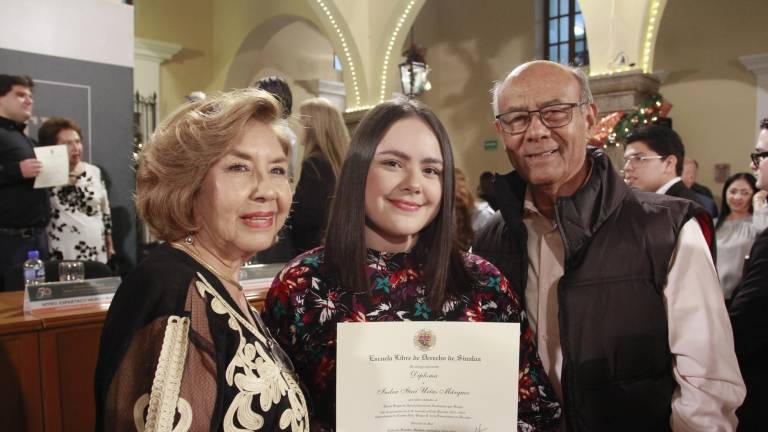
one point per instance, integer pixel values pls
(286, 45)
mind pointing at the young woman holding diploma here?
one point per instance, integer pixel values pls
(390, 255)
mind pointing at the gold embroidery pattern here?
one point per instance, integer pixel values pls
(255, 375)
(164, 399)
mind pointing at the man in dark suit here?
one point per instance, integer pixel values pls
(748, 312)
(690, 170)
(24, 210)
(653, 162)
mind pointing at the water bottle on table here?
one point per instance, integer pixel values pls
(34, 269)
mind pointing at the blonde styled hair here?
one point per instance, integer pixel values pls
(174, 163)
(325, 134)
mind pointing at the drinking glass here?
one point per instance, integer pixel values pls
(71, 271)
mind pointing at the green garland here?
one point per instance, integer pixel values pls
(648, 113)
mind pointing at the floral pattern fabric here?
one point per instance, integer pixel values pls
(80, 218)
(304, 304)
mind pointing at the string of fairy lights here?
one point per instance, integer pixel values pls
(613, 129)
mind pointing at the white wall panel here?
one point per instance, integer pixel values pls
(91, 30)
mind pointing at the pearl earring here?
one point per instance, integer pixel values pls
(189, 239)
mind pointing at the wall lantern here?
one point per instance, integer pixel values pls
(414, 70)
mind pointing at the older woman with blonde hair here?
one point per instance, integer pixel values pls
(326, 140)
(181, 348)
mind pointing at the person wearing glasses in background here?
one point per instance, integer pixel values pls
(759, 204)
(748, 311)
(653, 162)
(616, 281)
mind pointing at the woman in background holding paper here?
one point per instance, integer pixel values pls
(182, 349)
(81, 225)
(390, 255)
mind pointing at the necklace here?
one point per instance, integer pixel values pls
(188, 249)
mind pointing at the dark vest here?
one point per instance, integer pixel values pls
(617, 367)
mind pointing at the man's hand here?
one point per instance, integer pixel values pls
(30, 168)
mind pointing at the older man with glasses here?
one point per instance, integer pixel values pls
(749, 311)
(619, 286)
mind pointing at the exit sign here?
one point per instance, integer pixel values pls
(490, 144)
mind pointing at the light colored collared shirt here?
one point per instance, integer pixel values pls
(664, 188)
(546, 258)
(760, 219)
(709, 383)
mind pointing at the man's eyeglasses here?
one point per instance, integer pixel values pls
(553, 116)
(635, 160)
(758, 157)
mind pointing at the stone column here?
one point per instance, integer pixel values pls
(148, 56)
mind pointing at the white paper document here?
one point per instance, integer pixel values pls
(427, 376)
(55, 161)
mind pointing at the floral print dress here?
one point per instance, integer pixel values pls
(80, 218)
(304, 305)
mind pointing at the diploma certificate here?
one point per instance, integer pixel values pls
(55, 161)
(427, 376)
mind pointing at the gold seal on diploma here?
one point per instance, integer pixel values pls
(424, 339)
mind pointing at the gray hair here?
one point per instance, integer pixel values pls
(584, 96)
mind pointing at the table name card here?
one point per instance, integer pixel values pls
(51, 296)
(257, 278)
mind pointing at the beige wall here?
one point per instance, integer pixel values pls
(212, 33)
(299, 51)
(233, 22)
(184, 22)
(467, 54)
(618, 27)
(713, 94)
(698, 44)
